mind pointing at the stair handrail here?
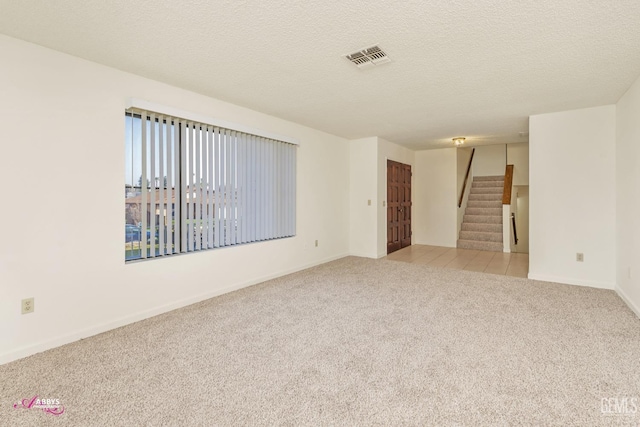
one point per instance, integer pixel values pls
(466, 178)
(508, 182)
(515, 231)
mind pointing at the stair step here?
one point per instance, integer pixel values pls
(481, 236)
(478, 226)
(496, 204)
(489, 178)
(487, 190)
(484, 211)
(477, 184)
(480, 246)
(482, 219)
(486, 197)
(482, 222)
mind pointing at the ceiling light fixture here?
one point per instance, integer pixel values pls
(458, 140)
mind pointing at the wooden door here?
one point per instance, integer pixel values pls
(398, 206)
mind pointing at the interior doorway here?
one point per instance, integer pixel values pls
(522, 219)
(398, 206)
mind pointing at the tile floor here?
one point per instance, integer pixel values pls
(509, 264)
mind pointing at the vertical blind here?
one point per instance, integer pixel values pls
(204, 187)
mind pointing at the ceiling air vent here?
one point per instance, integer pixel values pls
(368, 57)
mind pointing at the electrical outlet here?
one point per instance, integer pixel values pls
(316, 243)
(369, 202)
(384, 203)
(27, 306)
(580, 257)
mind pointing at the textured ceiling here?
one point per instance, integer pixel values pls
(473, 68)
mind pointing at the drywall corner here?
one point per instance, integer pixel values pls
(435, 200)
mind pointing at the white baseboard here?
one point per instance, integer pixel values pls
(126, 320)
(571, 281)
(627, 301)
(377, 256)
(361, 255)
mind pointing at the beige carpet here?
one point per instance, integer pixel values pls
(352, 342)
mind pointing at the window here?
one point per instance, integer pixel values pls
(192, 186)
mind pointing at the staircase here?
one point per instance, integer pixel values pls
(482, 224)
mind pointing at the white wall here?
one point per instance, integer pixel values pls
(390, 151)
(368, 181)
(572, 196)
(628, 196)
(518, 156)
(62, 135)
(435, 199)
(490, 160)
(363, 186)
